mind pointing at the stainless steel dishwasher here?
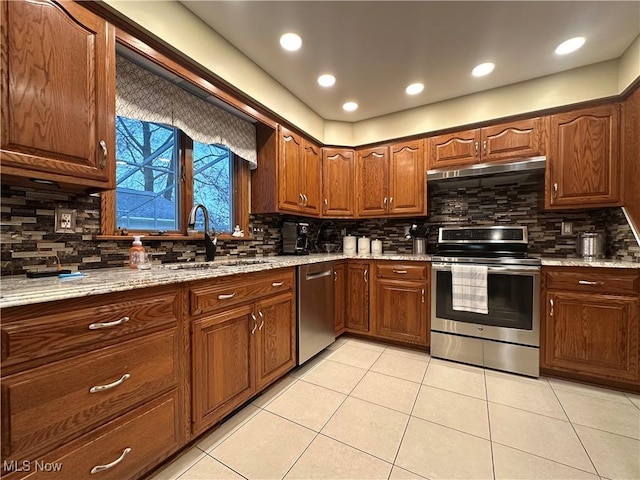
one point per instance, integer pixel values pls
(315, 309)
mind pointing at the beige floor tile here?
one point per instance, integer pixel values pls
(588, 390)
(512, 464)
(217, 436)
(537, 434)
(209, 469)
(307, 404)
(390, 392)
(355, 356)
(361, 343)
(437, 452)
(180, 465)
(368, 427)
(615, 456)
(464, 413)
(327, 458)
(602, 414)
(337, 344)
(406, 368)
(532, 395)
(456, 377)
(265, 447)
(275, 390)
(635, 399)
(415, 354)
(309, 365)
(336, 376)
(398, 473)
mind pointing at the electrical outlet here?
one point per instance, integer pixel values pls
(566, 228)
(65, 220)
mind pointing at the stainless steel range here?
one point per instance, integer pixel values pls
(489, 314)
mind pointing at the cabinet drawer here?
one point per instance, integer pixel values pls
(37, 331)
(148, 433)
(594, 280)
(400, 271)
(221, 294)
(48, 405)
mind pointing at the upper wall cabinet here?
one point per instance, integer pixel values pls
(391, 180)
(58, 100)
(289, 174)
(583, 163)
(338, 182)
(523, 139)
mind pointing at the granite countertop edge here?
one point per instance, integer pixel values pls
(20, 290)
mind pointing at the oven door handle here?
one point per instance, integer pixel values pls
(514, 270)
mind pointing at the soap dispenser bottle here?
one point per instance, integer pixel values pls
(136, 252)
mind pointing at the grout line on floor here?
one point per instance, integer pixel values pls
(486, 393)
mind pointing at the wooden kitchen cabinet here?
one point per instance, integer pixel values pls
(510, 141)
(338, 182)
(400, 303)
(58, 95)
(372, 169)
(340, 280)
(590, 328)
(357, 313)
(583, 163)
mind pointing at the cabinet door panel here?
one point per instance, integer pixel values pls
(459, 148)
(312, 179)
(338, 182)
(358, 297)
(289, 167)
(516, 140)
(407, 180)
(401, 310)
(222, 371)
(372, 168)
(591, 334)
(275, 338)
(583, 164)
(57, 90)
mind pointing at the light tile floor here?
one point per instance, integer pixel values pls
(362, 410)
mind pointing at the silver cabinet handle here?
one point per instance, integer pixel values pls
(476, 148)
(326, 205)
(366, 275)
(261, 319)
(335, 276)
(255, 323)
(305, 200)
(423, 295)
(301, 203)
(384, 203)
(100, 388)
(103, 162)
(100, 468)
(277, 284)
(587, 282)
(226, 296)
(555, 189)
(400, 271)
(484, 147)
(551, 305)
(390, 201)
(96, 326)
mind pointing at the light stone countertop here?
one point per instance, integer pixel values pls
(20, 290)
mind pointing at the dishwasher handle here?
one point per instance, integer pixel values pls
(313, 276)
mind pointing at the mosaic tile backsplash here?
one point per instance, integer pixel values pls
(28, 241)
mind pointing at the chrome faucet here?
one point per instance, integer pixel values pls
(209, 244)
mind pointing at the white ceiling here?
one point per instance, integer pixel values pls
(376, 48)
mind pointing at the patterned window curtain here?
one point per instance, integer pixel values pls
(145, 96)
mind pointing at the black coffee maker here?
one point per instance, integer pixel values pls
(295, 238)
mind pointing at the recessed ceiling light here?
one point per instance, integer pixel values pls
(291, 41)
(350, 106)
(414, 88)
(326, 80)
(483, 69)
(570, 45)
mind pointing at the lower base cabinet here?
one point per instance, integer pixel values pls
(357, 308)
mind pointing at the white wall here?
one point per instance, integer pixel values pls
(629, 65)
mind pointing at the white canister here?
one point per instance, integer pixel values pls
(349, 245)
(364, 245)
(376, 247)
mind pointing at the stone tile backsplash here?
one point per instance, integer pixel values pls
(28, 241)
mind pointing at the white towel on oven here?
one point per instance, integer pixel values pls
(469, 288)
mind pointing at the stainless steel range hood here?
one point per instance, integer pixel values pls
(488, 174)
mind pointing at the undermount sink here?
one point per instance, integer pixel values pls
(243, 261)
(188, 266)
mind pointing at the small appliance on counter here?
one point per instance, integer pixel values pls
(590, 245)
(295, 238)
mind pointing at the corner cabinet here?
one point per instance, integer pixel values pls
(338, 183)
(58, 95)
(590, 328)
(583, 164)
